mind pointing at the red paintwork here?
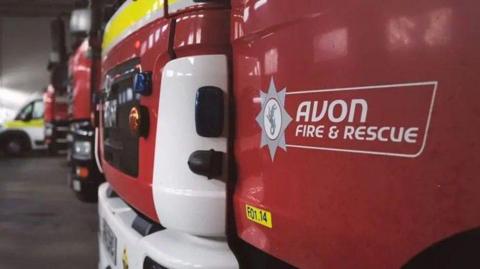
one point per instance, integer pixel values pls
(54, 111)
(48, 103)
(211, 36)
(137, 191)
(80, 72)
(349, 210)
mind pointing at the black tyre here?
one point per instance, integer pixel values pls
(15, 146)
(457, 251)
(52, 149)
(88, 194)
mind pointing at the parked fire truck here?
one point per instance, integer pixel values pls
(329, 134)
(55, 97)
(156, 211)
(25, 131)
(84, 176)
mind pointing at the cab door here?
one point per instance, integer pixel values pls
(330, 175)
(36, 124)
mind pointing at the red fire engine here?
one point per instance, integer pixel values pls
(182, 51)
(84, 177)
(356, 132)
(330, 134)
(55, 97)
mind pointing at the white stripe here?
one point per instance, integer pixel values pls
(427, 125)
(366, 87)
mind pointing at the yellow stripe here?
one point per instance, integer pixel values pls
(18, 124)
(127, 16)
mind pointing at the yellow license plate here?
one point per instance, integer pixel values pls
(260, 216)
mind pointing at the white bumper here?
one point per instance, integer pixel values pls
(168, 248)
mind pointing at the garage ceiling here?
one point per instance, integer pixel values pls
(37, 8)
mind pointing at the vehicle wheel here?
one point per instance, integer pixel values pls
(87, 194)
(14, 146)
(52, 150)
(457, 251)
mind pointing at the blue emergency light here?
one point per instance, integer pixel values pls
(142, 83)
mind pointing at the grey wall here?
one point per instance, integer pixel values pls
(24, 50)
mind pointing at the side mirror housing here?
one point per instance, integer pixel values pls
(58, 52)
(80, 21)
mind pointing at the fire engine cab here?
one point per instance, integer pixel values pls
(356, 126)
(84, 177)
(280, 134)
(55, 97)
(163, 205)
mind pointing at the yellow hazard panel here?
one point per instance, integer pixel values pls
(38, 123)
(129, 15)
(260, 216)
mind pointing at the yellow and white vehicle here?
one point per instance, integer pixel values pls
(25, 132)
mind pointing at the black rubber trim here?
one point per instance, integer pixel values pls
(145, 226)
(171, 39)
(124, 67)
(148, 263)
(111, 193)
(457, 251)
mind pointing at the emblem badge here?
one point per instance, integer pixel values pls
(273, 119)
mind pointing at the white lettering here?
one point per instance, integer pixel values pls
(303, 111)
(348, 132)
(380, 134)
(319, 131)
(411, 135)
(310, 130)
(315, 117)
(300, 129)
(360, 133)
(372, 133)
(337, 110)
(397, 139)
(363, 114)
(343, 111)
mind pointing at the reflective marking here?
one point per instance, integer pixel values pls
(24, 124)
(77, 186)
(131, 16)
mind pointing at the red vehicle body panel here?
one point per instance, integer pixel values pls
(80, 71)
(343, 209)
(210, 35)
(137, 191)
(54, 111)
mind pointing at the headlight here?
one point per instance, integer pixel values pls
(70, 138)
(48, 130)
(82, 150)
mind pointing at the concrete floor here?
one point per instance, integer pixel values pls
(42, 223)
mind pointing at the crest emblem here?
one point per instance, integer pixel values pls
(273, 119)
